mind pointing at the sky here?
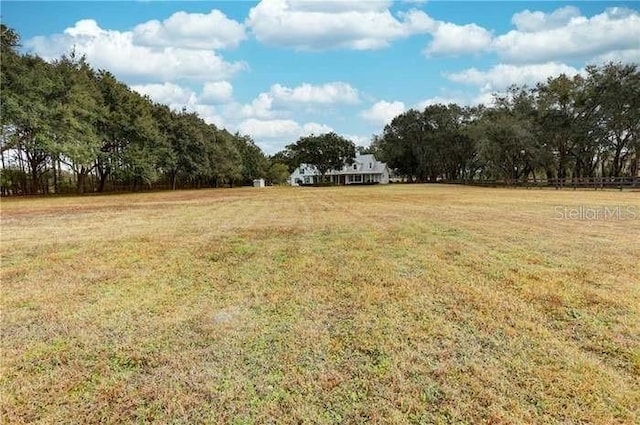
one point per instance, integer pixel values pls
(277, 70)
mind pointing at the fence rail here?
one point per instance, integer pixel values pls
(596, 183)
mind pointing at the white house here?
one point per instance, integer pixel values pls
(366, 169)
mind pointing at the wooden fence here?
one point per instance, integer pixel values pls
(596, 183)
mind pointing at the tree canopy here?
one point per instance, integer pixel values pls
(67, 127)
(567, 127)
(325, 152)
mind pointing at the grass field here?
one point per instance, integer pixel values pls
(382, 304)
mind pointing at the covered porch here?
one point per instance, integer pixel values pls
(355, 178)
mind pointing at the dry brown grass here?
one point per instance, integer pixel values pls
(396, 304)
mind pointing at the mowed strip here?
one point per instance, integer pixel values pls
(400, 303)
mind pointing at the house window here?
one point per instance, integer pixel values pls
(355, 166)
(370, 165)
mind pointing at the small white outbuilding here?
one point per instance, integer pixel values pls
(258, 183)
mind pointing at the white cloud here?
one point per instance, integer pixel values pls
(280, 128)
(273, 135)
(315, 128)
(117, 52)
(209, 114)
(502, 76)
(563, 34)
(544, 37)
(85, 28)
(191, 30)
(528, 21)
(267, 118)
(452, 39)
(486, 98)
(624, 56)
(337, 6)
(282, 100)
(177, 98)
(482, 96)
(259, 129)
(383, 112)
(438, 100)
(260, 107)
(216, 92)
(358, 140)
(330, 93)
(314, 25)
(418, 22)
(167, 93)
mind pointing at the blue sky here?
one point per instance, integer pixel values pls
(280, 69)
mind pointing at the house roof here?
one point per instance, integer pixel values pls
(362, 167)
(365, 164)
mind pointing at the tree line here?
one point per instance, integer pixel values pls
(69, 128)
(577, 127)
(66, 127)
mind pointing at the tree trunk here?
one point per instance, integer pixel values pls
(3, 190)
(35, 181)
(562, 168)
(616, 166)
(82, 180)
(103, 172)
(55, 176)
(59, 168)
(102, 182)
